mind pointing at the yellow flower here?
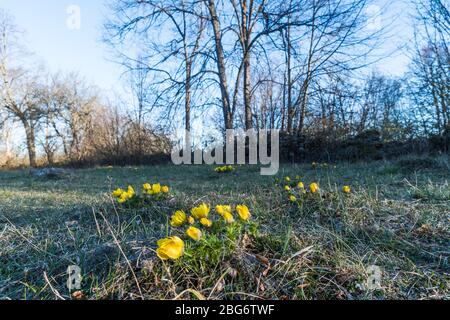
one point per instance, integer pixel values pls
(297, 177)
(123, 197)
(147, 186)
(156, 188)
(206, 223)
(222, 209)
(224, 169)
(201, 211)
(287, 188)
(228, 216)
(170, 248)
(130, 192)
(292, 198)
(314, 187)
(301, 185)
(178, 219)
(165, 189)
(191, 220)
(244, 212)
(194, 233)
(347, 189)
(288, 179)
(118, 193)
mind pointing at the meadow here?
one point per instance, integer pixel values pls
(320, 246)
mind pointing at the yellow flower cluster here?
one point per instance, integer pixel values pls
(155, 189)
(297, 187)
(123, 196)
(224, 169)
(172, 247)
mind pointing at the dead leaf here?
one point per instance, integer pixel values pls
(78, 295)
(262, 259)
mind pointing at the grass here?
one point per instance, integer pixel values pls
(397, 218)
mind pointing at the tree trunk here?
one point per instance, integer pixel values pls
(307, 82)
(228, 117)
(304, 104)
(187, 102)
(247, 93)
(247, 66)
(31, 143)
(291, 111)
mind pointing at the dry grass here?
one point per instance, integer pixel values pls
(396, 218)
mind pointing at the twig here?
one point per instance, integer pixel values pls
(55, 292)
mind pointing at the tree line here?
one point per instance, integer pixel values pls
(299, 65)
(63, 119)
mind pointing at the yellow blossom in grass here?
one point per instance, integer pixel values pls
(228, 216)
(118, 193)
(156, 188)
(165, 189)
(178, 219)
(191, 220)
(224, 169)
(292, 198)
(206, 222)
(194, 233)
(130, 192)
(201, 211)
(147, 186)
(301, 185)
(222, 209)
(314, 187)
(287, 188)
(346, 189)
(123, 198)
(288, 179)
(170, 248)
(243, 212)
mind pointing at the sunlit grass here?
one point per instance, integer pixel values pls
(318, 248)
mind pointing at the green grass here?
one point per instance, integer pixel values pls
(397, 217)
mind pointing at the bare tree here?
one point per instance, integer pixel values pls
(19, 90)
(70, 104)
(429, 75)
(136, 21)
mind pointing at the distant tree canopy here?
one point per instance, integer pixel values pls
(63, 119)
(288, 65)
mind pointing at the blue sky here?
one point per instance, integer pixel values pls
(47, 35)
